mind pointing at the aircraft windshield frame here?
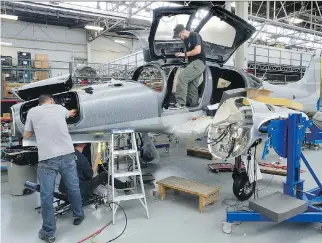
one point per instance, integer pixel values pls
(202, 20)
(222, 32)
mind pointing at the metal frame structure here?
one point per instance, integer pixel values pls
(297, 24)
(288, 145)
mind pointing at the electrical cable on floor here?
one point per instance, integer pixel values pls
(95, 233)
(237, 207)
(92, 236)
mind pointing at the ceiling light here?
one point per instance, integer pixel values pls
(5, 43)
(295, 20)
(91, 27)
(119, 41)
(7, 16)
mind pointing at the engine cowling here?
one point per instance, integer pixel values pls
(236, 126)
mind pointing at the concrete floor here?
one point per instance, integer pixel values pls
(176, 219)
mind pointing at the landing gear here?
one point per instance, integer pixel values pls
(242, 188)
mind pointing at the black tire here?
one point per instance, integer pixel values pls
(242, 188)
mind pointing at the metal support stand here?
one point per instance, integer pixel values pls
(286, 137)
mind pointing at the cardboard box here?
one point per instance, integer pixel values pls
(41, 61)
(254, 93)
(41, 57)
(6, 115)
(41, 75)
(41, 64)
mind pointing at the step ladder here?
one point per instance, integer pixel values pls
(134, 154)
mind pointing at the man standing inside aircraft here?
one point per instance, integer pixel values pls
(188, 81)
(56, 155)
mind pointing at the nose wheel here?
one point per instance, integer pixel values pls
(242, 188)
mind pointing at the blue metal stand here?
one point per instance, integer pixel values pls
(286, 137)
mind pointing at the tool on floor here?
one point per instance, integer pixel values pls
(134, 154)
(294, 204)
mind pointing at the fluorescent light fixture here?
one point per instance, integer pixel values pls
(295, 20)
(119, 41)
(7, 16)
(92, 27)
(5, 43)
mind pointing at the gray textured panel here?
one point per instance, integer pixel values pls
(232, 93)
(278, 206)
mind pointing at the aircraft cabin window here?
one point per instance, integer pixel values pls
(167, 24)
(218, 32)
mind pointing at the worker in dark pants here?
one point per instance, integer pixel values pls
(56, 155)
(87, 183)
(188, 81)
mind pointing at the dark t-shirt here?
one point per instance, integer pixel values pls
(191, 42)
(84, 170)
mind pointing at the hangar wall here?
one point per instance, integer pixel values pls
(62, 44)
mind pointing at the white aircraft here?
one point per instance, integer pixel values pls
(123, 104)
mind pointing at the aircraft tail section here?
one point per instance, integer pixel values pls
(311, 81)
(307, 90)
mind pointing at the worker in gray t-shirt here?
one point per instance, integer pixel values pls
(56, 155)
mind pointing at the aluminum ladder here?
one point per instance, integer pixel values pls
(134, 154)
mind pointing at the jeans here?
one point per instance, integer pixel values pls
(188, 82)
(65, 165)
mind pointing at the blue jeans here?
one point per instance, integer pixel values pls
(65, 165)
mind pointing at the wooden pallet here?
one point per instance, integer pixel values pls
(273, 171)
(200, 153)
(208, 194)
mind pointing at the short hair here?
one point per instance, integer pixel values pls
(79, 144)
(44, 97)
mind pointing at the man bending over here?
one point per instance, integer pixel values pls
(56, 155)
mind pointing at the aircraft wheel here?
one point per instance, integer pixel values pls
(242, 188)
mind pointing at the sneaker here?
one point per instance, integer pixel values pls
(78, 220)
(48, 239)
(176, 106)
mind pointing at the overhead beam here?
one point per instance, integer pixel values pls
(276, 23)
(70, 8)
(140, 9)
(107, 29)
(50, 13)
(317, 18)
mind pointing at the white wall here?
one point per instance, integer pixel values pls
(59, 43)
(105, 49)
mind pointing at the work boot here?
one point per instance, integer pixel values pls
(176, 106)
(78, 220)
(48, 239)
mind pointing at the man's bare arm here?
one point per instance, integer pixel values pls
(195, 51)
(72, 113)
(27, 135)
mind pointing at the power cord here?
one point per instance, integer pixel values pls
(92, 236)
(236, 206)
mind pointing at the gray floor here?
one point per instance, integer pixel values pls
(176, 219)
